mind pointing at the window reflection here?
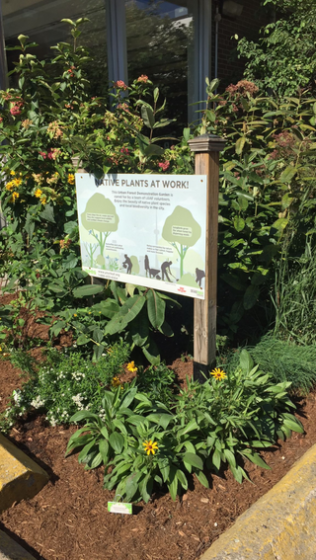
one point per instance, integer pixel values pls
(41, 21)
(159, 38)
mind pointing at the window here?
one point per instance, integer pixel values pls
(159, 39)
(41, 21)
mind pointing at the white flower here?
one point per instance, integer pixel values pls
(37, 403)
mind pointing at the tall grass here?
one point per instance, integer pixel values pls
(295, 298)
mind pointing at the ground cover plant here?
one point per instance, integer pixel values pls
(146, 443)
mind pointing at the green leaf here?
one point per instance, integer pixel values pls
(255, 458)
(251, 296)
(83, 415)
(240, 145)
(82, 339)
(245, 360)
(202, 479)
(230, 457)
(217, 459)
(104, 450)
(239, 223)
(156, 94)
(156, 309)
(86, 291)
(117, 442)
(193, 460)
(48, 213)
(182, 479)
(148, 116)
(288, 174)
(293, 425)
(153, 150)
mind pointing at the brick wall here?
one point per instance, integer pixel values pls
(253, 17)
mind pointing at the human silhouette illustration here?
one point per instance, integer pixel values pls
(147, 265)
(165, 270)
(152, 272)
(200, 274)
(128, 264)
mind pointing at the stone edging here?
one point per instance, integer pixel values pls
(281, 525)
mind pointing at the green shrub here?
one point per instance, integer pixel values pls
(157, 383)
(67, 383)
(222, 422)
(287, 361)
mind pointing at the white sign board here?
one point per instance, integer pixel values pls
(147, 230)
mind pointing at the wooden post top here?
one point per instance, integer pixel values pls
(207, 143)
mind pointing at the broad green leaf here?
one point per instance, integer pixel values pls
(86, 291)
(294, 426)
(288, 174)
(216, 459)
(239, 223)
(182, 479)
(193, 460)
(156, 309)
(148, 116)
(202, 479)
(116, 441)
(251, 296)
(240, 145)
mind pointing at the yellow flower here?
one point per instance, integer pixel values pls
(150, 447)
(14, 196)
(43, 199)
(12, 172)
(71, 179)
(38, 193)
(17, 182)
(115, 382)
(218, 374)
(0, 349)
(131, 367)
(9, 186)
(75, 314)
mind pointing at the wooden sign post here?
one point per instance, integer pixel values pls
(207, 148)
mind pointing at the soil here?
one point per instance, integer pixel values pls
(68, 519)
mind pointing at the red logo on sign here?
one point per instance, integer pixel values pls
(182, 290)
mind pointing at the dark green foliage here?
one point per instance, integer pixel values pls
(287, 361)
(157, 382)
(284, 58)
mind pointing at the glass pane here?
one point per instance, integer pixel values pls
(41, 21)
(159, 38)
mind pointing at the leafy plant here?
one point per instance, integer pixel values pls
(66, 383)
(220, 422)
(157, 383)
(123, 311)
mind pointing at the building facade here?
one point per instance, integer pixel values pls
(177, 44)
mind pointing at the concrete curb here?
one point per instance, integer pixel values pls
(20, 477)
(281, 525)
(11, 550)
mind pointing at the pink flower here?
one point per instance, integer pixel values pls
(16, 109)
(143, 78)
(125, 151)
(164, 165)
(1, 119)
(120, 85)
(43, 154)
(50, 155)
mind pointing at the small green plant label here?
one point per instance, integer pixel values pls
(119, 507)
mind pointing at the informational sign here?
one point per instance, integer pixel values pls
(146, 230)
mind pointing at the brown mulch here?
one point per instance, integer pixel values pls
(68, 519)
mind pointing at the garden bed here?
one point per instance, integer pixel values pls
(68, 519)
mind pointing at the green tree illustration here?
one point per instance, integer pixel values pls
(100, 216)
(181, 218)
